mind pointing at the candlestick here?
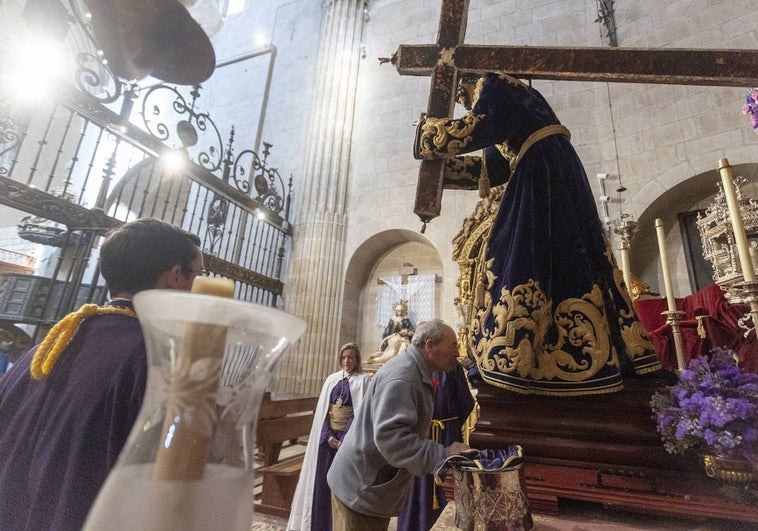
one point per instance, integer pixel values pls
(625, 230)
(665, 265)
(746, 262)
(673, 316)
(736, 216)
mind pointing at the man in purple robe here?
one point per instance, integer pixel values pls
(67, 405)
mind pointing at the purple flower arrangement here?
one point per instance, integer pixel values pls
(751, 107)
(712, 410)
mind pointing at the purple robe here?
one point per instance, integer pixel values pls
(60, 436)
(452, 398)
(322, 494)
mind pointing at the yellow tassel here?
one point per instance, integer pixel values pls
(479, 294)
(435, 503)
(61, 334)
(700, 326)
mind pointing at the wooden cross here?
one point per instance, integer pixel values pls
(405, 271)
(448, 57)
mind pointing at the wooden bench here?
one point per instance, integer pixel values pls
(280, 421)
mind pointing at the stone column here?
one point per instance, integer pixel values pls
(314, 284)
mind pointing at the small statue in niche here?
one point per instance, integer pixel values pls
(397, 335)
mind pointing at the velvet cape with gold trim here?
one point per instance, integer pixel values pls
(551, 316)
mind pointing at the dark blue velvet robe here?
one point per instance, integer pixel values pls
(552, 316)
(60, 436)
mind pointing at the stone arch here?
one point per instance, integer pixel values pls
(689, 194)
(380, 252)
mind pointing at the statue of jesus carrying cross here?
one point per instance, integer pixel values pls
(554, 317)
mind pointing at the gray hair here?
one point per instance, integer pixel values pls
(432, 330)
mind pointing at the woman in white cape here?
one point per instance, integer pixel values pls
(341, 396)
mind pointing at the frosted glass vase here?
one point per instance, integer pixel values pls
(188, 462)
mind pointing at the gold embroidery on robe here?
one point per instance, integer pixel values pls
(461, 172)
(519, 343)
(507, 152)
(445, 137)
(634, 335)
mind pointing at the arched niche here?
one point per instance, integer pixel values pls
(382, 254)
(694, 193)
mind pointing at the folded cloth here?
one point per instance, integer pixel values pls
(483, 460)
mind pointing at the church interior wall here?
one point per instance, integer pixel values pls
(279, 36)
(652, 138)
(661, 134)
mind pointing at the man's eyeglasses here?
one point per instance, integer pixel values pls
(201, 273)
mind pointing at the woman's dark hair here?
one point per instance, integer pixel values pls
(351, 346)
(134, 255)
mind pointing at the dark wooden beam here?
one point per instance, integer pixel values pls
(675, 66)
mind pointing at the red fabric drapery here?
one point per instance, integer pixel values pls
(718, 321)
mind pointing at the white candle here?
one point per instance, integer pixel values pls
(665, 265)
(182, 452)
(737, 227)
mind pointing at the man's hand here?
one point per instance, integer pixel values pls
(456, 448)
(333, 442)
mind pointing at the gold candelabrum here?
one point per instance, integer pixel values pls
(730, 470)
(626, 228)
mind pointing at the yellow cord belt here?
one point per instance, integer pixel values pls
(61, 334)
(437, 426)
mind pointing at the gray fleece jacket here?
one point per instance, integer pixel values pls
(388, 441)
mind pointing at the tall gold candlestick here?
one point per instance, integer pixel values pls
(625, 230)
(665, 265)
(740, 238)
(736, 216)
(673, 315)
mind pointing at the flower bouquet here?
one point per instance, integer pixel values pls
(751, 107)
(712, 410)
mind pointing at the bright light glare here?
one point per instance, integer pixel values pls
(234, 7)
(35, 67)
(174, 160)
(260, 40)
(260, 214)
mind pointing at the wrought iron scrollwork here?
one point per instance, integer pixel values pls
(95, 78)
(249, 169)
(188, 124)
(93, 75)
(217, 211)
(9, 135)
